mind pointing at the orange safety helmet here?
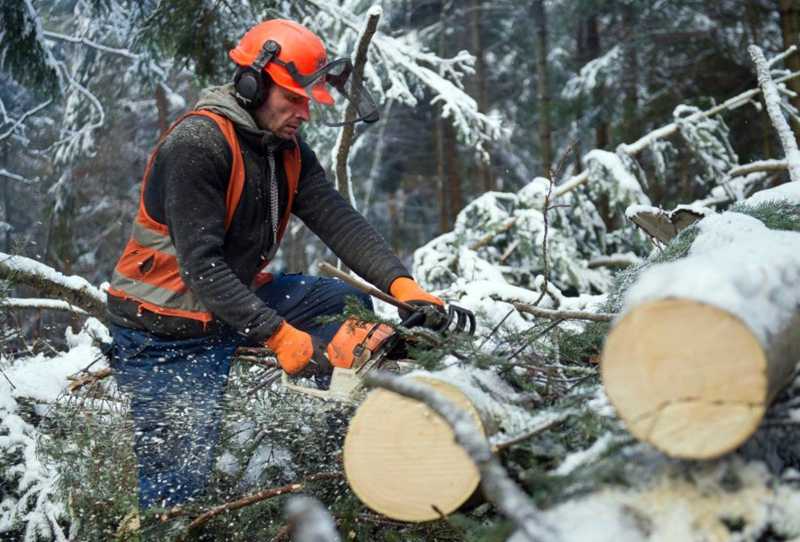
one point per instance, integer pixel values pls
(300, 52)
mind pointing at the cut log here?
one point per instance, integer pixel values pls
(705, 343)
(401, 458)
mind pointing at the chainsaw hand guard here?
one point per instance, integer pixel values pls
(453, 319)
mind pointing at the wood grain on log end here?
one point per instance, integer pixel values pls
(689, 378)
(401, 458)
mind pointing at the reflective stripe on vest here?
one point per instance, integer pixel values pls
(148, 270)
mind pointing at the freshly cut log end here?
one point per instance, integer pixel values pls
(401, 458)
(689, 378)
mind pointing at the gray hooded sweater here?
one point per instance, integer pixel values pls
(186, 191)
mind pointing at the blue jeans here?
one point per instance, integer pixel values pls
(176, 387)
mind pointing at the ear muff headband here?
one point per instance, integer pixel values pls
(249, 82)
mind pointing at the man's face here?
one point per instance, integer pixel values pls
(282, 112)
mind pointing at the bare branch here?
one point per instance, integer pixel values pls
(496, 484)
(211, 513)
(773, 100)
(84, 41)
(79, 382)
(345, 140)
(755, 167)
(564, 315)
(544, 426)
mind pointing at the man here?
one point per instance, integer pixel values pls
(189, 287)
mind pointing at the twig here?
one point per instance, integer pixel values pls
(544, 426)
(564, 315)
(773, 100)
(545, 212)
(486, 239)
(85, 380)
(497, 486)
(211, 513)
(495, 328)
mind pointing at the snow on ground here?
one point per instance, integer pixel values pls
(29, 496)
(726, 500)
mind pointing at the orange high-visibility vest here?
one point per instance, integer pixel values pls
(148, 272)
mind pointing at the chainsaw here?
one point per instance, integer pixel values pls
(372, 352)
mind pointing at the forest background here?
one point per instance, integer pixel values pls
(478, 100)
(87, 86)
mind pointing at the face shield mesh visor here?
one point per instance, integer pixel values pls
(337, 98)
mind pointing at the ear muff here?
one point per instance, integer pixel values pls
(250, 82)
(251, 87)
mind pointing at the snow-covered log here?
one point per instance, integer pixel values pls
(402, 460)
(704, 343)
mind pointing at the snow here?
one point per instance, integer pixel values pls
(41, 379)
(673, 506)
(737, 264)
(576, 459)
(29, 266)
(789, 192)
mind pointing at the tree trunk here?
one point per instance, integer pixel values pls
(453, 171)
(598, 96)
(544, 125)
(631, 130)
(444, 215)
(707, 342)
(485, 178)
(401, 459)
(163, 109)
(790, 28)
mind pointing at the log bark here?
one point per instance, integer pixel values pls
(705, 343)
(402, 460)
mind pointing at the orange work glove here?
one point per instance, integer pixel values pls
(407, 290)
(298, 353)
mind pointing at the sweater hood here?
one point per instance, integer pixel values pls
(222, 101)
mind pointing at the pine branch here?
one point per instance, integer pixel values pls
(497, 486)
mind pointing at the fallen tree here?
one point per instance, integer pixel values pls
(404, 461)
(705, 343)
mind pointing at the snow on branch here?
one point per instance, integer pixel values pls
(310, 521)
(758, 166)
(400, 57)
(21, 120)
(16, 177)
(73, 290)
(773, 101)
(51, 304)
(90, 43)
(497, 486)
